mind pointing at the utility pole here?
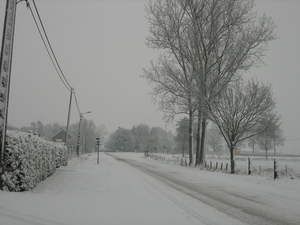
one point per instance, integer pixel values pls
(79, 129)
(68, 120)
(83, 138)
(5, 73)
(78, 138)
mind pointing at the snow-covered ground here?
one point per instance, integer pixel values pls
(129, 189)
(286, 166)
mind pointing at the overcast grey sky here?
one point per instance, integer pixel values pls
(100, 45)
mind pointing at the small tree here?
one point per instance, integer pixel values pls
(270, 138)
(243, 111)
(278, 138)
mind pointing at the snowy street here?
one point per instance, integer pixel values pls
(126, 188)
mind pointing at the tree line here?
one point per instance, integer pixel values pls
(214, 142)
(141, 138)
(89, 132)
(205, 48)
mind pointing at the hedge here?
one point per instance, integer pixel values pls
(29, 159)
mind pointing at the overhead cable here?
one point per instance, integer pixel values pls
(49, 43)
(53, 62)
(52, 56)
(76, 102)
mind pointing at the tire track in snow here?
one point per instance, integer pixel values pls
(246, 209)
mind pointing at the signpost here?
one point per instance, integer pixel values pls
(98, 144)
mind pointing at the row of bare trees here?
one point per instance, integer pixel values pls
(205, 46)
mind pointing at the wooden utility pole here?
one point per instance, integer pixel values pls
(5, 73)
(78, 138)
(68, 120)
(79, 129)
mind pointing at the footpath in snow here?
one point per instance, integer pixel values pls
(114, 192)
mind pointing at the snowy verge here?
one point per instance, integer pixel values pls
(286, 167)
(29, 159)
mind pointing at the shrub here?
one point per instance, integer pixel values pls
(29, 159)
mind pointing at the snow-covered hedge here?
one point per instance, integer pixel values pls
(30, 159)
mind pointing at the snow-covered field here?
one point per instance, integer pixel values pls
(286, 166)
(121, 190)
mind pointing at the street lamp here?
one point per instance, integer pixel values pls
(78, 138)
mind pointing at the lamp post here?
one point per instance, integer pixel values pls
(79, 128)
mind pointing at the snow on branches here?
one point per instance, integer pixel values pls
(29, 159)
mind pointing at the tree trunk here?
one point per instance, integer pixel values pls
(202, 141)
(198, 139)
(266, 147)
(232, 164)
(191, 149)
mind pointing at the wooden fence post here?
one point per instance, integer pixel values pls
(249, 166)
(275, 169)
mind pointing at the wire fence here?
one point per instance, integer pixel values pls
(275, 167)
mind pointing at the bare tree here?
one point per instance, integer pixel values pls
(210, 43)
(278, 138)
(168, 25)
(243, 111)
(227, 38)
(270, 138)
(172, 89)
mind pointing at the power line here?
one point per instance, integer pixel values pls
(49, 43)
(55, 66)
(293, 139)
(76, 103)
(52, 57)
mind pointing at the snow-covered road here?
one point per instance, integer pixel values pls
(129, 189)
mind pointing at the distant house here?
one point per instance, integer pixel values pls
(60, 137)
